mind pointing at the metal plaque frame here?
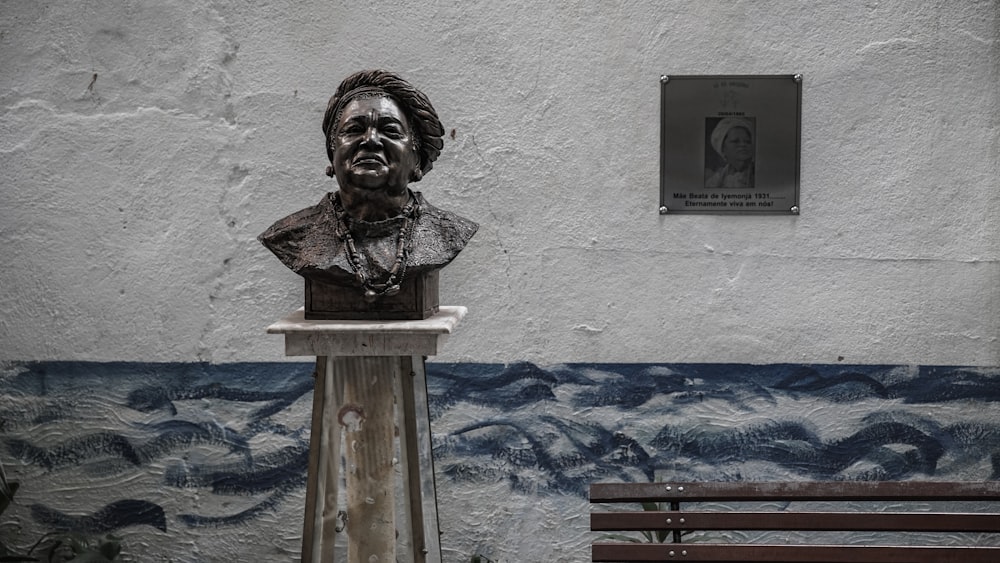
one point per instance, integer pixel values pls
(697, 114)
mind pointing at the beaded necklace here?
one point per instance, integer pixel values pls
(404, 240)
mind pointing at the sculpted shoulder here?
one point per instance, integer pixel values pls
(439, 236)
(293, 238)
(295, 222)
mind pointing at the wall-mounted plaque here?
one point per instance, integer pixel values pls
(730, 144)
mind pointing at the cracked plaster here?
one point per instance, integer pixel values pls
(144, 146)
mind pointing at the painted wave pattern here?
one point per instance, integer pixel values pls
(235, 433)
(235, 436)
(560, 428)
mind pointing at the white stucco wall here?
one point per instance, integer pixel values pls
(144, 145)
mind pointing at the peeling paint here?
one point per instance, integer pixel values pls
(351, 417)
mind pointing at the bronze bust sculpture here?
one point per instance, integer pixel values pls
(372, 250)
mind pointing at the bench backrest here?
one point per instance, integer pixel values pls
(675, 521)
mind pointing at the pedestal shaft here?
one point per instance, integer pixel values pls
(370, 381)
(369, 422)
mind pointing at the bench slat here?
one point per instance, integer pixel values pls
(892, 494)
(802, 491)
(788, 553)
(800, 521)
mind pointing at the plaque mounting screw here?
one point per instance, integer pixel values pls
(664, 79)
(797, 78)
(795, 210)
(664, 210)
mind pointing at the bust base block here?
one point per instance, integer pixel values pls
(417, 299)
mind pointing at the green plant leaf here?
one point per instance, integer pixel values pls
(110, 547)
(13, 558)
(7, 494)
(56, 546)
(3, 477)
(620, 537)
(90, 557)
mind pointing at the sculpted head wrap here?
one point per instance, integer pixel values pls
(428, 132)
(723, 128)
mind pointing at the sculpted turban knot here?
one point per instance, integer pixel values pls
(723, 128)
(427, 128)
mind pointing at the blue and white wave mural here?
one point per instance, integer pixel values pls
(197, 462)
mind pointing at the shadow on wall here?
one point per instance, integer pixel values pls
(235, 436)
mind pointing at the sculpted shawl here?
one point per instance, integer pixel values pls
(306, 241)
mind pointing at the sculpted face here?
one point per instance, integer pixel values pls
(737, 147)
(373, 148)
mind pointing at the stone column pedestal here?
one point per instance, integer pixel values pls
(370, 389)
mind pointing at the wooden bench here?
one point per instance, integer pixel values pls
(678, 524)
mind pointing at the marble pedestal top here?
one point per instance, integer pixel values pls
(367, 338)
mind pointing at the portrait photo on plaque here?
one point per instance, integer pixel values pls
(729, 152)
(730, 144)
